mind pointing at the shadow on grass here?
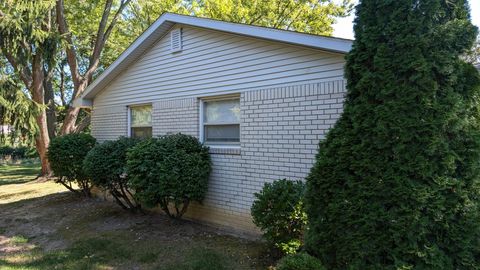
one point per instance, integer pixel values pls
(13, 182)
(85, 254)
(100, 253)
(18, 173)
(11, 195)
(200, 259)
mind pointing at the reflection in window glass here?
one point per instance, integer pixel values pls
(141, 121)
(225, 111)
(141, 116)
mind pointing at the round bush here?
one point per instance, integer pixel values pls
(6, 151)
(15, 153)
(278, 211)
(106, 166)
(169, 171)
(66, 154)
(299, 261)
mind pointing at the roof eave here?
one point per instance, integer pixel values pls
(83, 103)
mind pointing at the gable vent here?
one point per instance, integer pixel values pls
(176, 40)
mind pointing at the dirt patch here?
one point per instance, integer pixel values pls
(8, 246)
(69, 230)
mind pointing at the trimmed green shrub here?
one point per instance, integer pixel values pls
(169, 171)
(66, 154)
(299, 261)
(396, 182)
(6, 152)
(279, 212)
(106, 166)
(16, 153)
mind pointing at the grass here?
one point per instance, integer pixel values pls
(18, 173)
(45, 227)
(106, 252)
(17, 182)
(18, 239)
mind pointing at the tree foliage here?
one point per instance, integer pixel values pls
(24, 29)
(17, 112)
(310, 16)
(396, 182)
(299, 261)
(29, 44)
(473, 55)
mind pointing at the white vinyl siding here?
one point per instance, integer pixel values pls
(213, 63)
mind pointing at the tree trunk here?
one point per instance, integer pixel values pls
(70, 121)
(41, 147)
(49, 96)
(43, 139)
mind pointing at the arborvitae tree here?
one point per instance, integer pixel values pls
(396, 181)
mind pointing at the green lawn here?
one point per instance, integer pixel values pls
(18, 173)
(44, 227)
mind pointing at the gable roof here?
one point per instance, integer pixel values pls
(163, 25)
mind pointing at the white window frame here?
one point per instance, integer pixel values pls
(202, 124)
(129, 117)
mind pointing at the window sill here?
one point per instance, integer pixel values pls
(225, 150)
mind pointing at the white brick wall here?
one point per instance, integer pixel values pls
(280, 131)
(175, 116)
(109, 123)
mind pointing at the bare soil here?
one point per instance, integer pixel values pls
(44, 227)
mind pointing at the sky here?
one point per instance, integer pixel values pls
(344, 26)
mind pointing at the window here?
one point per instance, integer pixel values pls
(140, 121)
(221, 122)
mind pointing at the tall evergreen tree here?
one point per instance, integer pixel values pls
(396, 182)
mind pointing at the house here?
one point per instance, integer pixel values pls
(260, 98)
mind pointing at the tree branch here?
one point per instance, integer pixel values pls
(83, 124)
(103, 35)
(123, 5)
(101, 30)
(70, 48)
(62, 85)
(24, 72)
